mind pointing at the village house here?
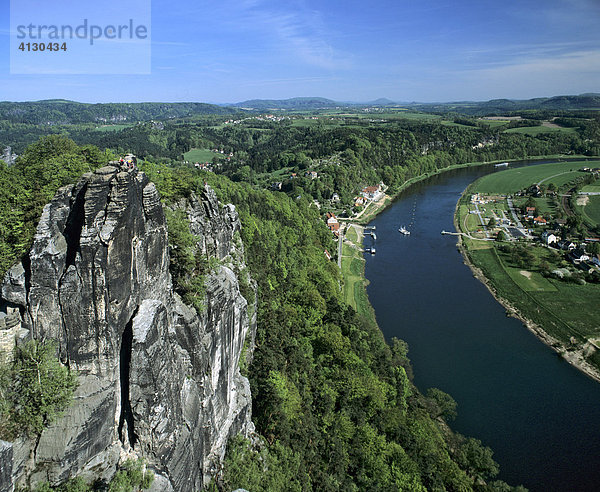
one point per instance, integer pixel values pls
(530, 212)
(565, 244)
(359, 201)
(332, 223)
(479, 199)
(335, 198)
(311, 174)
(539, 220)
(206, 166)
(549, 238)
(578, 255)
(371, 192)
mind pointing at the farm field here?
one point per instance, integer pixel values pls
(493, 123)
(593, 188)
(591, 210)
(200, 155)
(513, 180)
(537, 130)
(112, 128)
(544, 205)
(565, 309)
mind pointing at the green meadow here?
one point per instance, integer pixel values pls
(537, 130)
(112, 128)
(200, 155)
(591, 210)
(513, 180)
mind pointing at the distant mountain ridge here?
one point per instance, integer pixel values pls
(582, 101)
(289, 104)
(61, 111)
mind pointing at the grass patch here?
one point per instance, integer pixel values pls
(111, 128)
(494, 123)
(353, 272)
(537, 130)
(591, 188)
(591, 211)
(200, 155)
(351, 235)
(513, 180)
(530, 281)
(528, 303)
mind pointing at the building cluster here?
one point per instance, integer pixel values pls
(333, 224)
(205, 166)
(264, 117)
(576, 252)
(368, 194)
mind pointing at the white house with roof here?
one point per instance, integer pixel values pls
(549, 238)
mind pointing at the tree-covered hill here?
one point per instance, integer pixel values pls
(61, 112)
(295, 103)
(334, 405)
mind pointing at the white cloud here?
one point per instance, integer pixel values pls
(570, 73)
(298, 31)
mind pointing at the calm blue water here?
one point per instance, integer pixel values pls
(540, 416)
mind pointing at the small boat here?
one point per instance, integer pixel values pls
(502, 164)
(404, 231)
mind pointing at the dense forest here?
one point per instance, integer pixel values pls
(333, 403)
(57, 111)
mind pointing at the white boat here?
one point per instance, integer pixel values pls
(404, 231)
(502, 164)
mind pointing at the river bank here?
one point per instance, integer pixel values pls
(356, 282)
(387, 200)
(576, 356)
(537, 413)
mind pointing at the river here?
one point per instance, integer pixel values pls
(540, 416)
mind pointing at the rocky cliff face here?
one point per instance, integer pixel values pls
(157, 379)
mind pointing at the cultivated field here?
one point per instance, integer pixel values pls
(513, 180)
(200, 155)
(565, 308)
(591, 210)
(536, 130)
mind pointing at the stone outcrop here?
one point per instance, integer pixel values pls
(157, 379)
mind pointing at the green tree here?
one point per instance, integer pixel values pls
(132, 477)
(443, 404)
(39, 388)
(593, 248)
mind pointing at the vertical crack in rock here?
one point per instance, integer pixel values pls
(100, 252)
(74, 226)
(126, 418)
(26, 262)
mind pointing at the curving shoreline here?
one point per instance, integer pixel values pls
(574, 357)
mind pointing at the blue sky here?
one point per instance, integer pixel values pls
(430, 50)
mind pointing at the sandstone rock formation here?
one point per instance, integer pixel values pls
(157, 379)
